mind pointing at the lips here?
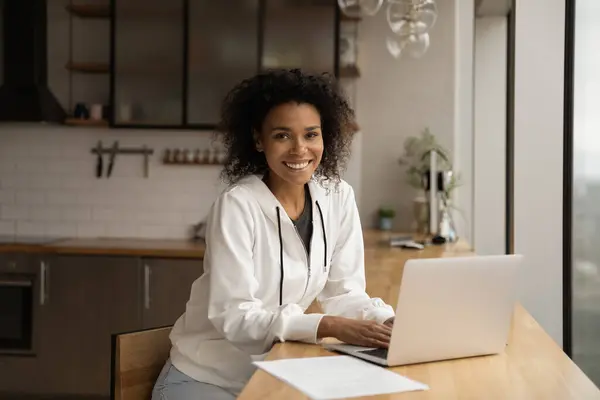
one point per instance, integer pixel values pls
(298, 165)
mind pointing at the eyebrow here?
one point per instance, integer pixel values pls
(283, 128)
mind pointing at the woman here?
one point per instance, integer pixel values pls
(285, 232)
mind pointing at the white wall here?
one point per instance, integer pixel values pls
(538, 157)
(353, 173)
(48, 184)
(496, 8)
(489, 235)
(464, 25)
(396, 99)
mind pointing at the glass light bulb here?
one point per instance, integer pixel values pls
(413, 45)
(407, 17)
(393, 47)
(360, 8)
(427, 13)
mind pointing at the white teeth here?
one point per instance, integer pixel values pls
(297, 165)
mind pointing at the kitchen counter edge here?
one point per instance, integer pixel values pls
(170, 248)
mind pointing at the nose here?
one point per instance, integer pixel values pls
(299, 146)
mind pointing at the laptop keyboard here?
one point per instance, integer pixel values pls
(379, 353)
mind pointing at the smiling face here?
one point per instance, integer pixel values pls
(292, 141)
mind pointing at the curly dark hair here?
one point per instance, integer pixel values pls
(247, 104)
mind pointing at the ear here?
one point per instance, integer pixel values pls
(257, 141)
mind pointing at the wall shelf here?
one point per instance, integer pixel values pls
(123, 16)
(192, 163)
(349, 71)
(86, 122)
(344, 17)
(88, 67)
(89, 10)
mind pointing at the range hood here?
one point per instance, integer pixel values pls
(24, 93)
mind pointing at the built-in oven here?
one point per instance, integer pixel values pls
(21, 280)
(16, 312)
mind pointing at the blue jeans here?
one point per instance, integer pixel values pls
(173, 384)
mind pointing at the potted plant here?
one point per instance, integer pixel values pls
(386, 218)
(416, 159)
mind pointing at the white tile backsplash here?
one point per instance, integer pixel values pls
(45, 213)
(7, 227)
(76, 213)
(91, 229)
(27, 228)
(41, 181)
(65, 229)
(14, 212)
(7, 196)
(30, 197)
(48, 184)
(11, 179)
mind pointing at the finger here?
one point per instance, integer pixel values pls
(387, 328)
(382, 329)
(375, 336)
(381, 337)
(378, 343)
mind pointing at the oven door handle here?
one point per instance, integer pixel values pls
(16, 282)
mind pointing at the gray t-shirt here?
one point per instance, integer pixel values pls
(304, 222)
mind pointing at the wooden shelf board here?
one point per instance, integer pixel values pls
(190, 163)
(350, 71)
(89, 10)
(146, 123)
(86, 122)
(344, 17)
(88, 67)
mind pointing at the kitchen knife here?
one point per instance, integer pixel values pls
(146, 166)
(113, 154)
(99, 160)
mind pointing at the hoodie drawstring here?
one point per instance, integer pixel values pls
(324, 237)
(280, 258)
(281, 249)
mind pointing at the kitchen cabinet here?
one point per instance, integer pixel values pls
(16, 262)
(21, 369)
(148, 62)
(79, 301)
(194, 58)
(87, 300)
(216, 65)
(167, 285)
(300, 34)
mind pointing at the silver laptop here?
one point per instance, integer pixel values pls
(448, 308)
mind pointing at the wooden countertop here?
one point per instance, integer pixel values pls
(374, 240)
(131, 247)
(533, 367)
(111, 246)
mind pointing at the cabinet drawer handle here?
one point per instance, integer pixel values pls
(43, 283)
(147, 287)
(15, 282)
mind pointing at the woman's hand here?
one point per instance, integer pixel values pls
(355, 332)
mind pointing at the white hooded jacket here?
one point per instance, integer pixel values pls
(258, 281)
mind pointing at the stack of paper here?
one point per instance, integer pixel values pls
(338, 377)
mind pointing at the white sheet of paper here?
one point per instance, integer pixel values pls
(337, 377)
